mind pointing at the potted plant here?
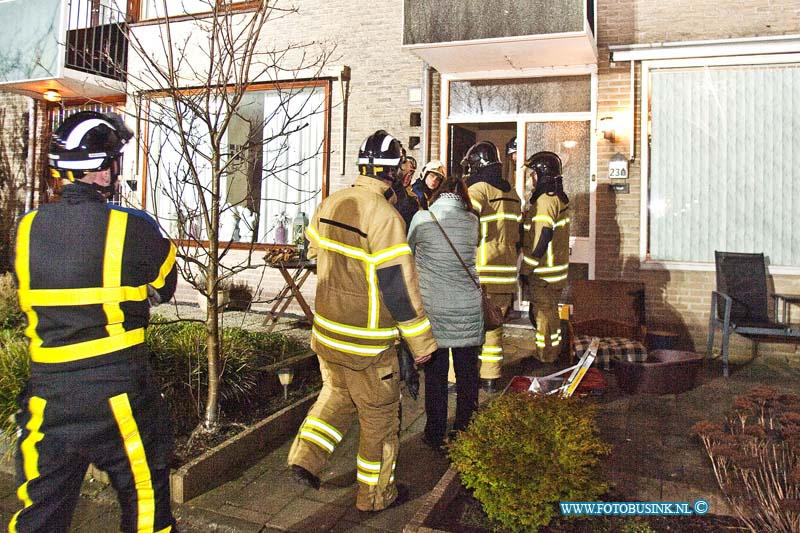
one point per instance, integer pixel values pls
(223, 296)
(280, 226)
(240, 296)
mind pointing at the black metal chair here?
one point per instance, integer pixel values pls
(740, 305)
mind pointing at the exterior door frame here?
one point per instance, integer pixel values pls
(584, 247)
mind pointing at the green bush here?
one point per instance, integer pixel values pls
(14, 370)
(524, 453)
(11, 315)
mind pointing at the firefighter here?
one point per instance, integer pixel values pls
(87, 273)
(498, 205)
(367, 296)
(433, 173)
(545, 252)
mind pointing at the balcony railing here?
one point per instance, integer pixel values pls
(96, 40)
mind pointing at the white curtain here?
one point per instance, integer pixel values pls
(152, 9)
(292, 156)
(725, 163)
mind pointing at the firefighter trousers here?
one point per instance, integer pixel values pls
(372, 395)
(112, 416)
(544, 309)
(491, 356)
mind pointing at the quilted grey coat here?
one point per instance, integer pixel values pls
(452, 301)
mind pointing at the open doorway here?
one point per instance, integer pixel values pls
(462, 136)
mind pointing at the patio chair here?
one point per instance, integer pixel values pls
(613, 311)
(740, 305)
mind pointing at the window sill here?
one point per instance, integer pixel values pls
(709, 267)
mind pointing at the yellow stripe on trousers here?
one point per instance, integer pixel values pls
(30, 455)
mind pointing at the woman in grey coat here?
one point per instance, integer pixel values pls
(452, 302)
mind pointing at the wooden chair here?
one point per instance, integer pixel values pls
(614, 311)
(740, 305)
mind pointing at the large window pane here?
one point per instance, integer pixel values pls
(725, 163)
(271, 158)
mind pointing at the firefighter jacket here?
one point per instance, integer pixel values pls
(367, 284)
(545, 250)
(498, 206)
(83, 268)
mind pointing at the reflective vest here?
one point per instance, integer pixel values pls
(553, 266)
(500, 219)
(82, 269)
(363, 263)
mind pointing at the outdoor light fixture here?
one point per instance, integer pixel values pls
(286, 375)
(607, 127)
(51, 95)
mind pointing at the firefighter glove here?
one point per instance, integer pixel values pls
(408, 372)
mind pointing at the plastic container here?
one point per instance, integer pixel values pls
(664, 372)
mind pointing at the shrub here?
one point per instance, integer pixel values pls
(11, 316)
(756, 458)
(179, 359)
(14, 371)
(240, 296)
(524, 453)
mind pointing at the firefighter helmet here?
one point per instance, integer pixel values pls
(87, 141)
(480, 155)
(511, 145)
(545, 164)
(381, 156)
(436, 167)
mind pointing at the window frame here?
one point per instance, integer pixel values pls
(135, 11)
(644, 210)
(324, 83)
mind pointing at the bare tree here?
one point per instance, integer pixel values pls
(190, 80)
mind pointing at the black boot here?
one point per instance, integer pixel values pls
(489, 385)
(304, 477)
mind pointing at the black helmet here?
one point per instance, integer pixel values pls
(480, 155)
(511, 145)
(380, 156)
(87, 141)
(545, 164)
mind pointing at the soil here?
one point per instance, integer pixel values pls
(465, 515)
(237, 418)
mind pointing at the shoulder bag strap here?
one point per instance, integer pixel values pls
(463, 264)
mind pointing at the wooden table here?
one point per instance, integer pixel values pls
(294, 273)
(784, 302)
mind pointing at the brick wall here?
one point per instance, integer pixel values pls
(680, 299)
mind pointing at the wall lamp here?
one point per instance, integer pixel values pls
(607, 127)
(51, 95)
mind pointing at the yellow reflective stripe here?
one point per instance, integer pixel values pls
(355, 331)
(498, 280)
(546, 219)
(320, 425)
(496, 268)
(165, 530)
(369, 466)
(387, 254)
(561, 222)
(501, 216)
(367, 479)
(490, 348)
(348, 347)
(416, 329)
(527, 227)
(316, 438)
(166, 268)
(85, 350)
(23, 268)
(476, 205)
(555, 279)
(530, 260)
(551, 269)
(482, 247)
(373, 312)
(86, 296)
(30, 455)
(112, 268)
(145, 495)
(381, 256)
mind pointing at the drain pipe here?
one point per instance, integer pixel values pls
(30, 164)
(632, 149)
(344, 87)
(426, 112)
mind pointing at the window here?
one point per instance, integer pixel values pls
(272, 163)
(725, 162)
(154, 9)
